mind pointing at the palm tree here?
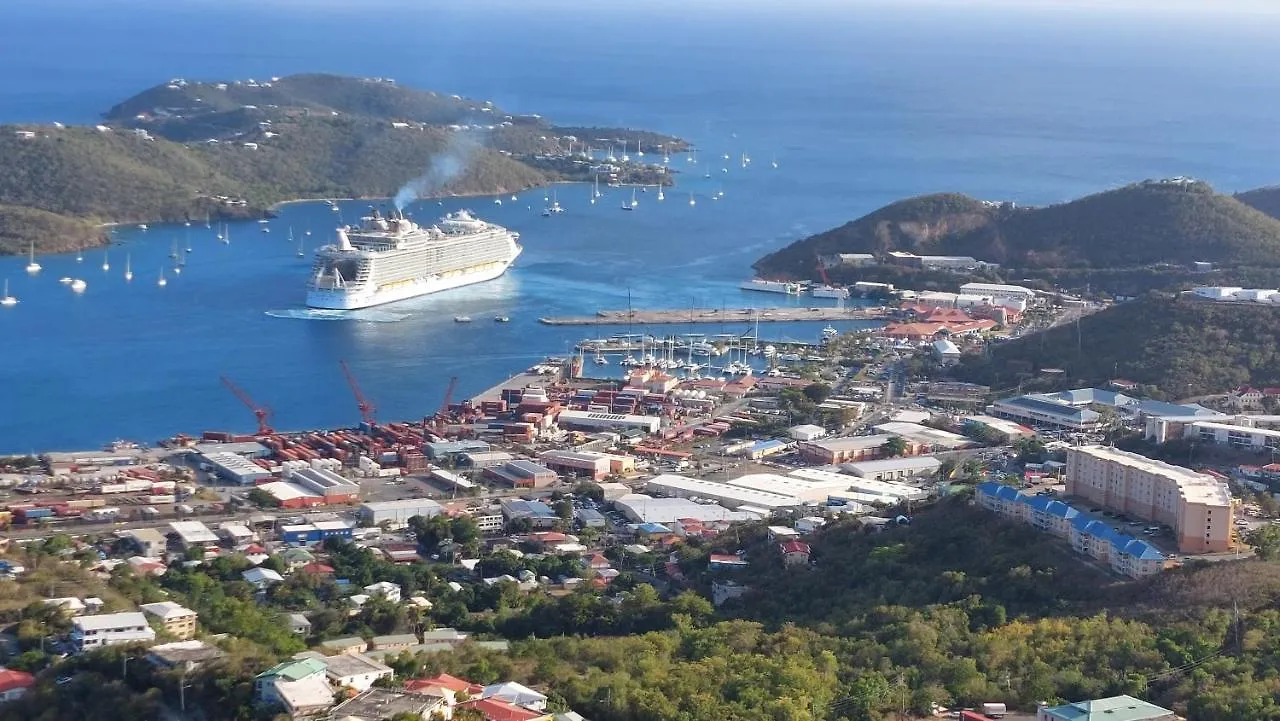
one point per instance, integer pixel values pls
(895, 446)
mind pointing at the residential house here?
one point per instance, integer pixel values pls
(110, 629)
(349, 644)
(394, 642)
(177, 621)
(794, 553)
(260, 578)
(299, 624)
(386, 589)
(723, 591)
(517, 694)
(353, 670)
(186, 655)
(498, 710)
(299, 686)
(377, 704)
(726, 562)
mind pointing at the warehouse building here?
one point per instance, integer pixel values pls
(997, 290)
(593, 420)
(641, 508)
(244, 449)
(445, 450)
(998, 430)
(398, 513)
(925, 438)
(149, 542)
(291, 495)
(587, 464)
(729, 496)
(523, 474)
(193, 533)
(812, 488)
(891, 468)
(539, 514)
(327, 484)
(846, 448)
(309, 534)
(234, 469)
(484, 459)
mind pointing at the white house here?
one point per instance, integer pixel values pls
(517, 694)
(109, 629)
(386, 589)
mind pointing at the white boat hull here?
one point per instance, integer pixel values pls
(355, 299)
(829, 292)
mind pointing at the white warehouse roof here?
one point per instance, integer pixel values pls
(646, 509)
(732, 496)
(193, 532)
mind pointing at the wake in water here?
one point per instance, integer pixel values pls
(369, 316)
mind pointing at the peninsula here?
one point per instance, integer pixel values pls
(1143, 236)
(187, 149)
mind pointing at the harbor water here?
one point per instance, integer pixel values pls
(858, 106)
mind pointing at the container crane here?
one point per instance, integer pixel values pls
(367, 409)
(822, 271)
(442, 415)
(260, 412)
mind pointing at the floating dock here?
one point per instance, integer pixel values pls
(719, 315)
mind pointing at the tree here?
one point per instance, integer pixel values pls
(564, 509)
(262, 499)
(894, 447)
(1265, 541)
(817, 392)
(1030, 450)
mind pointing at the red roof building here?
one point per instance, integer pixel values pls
(794, 552)
(14, 683)
(494, 710)
(444, 681)
(317, 568)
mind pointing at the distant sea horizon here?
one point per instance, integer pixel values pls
(861, 104)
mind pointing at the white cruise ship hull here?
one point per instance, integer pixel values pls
(357, 298)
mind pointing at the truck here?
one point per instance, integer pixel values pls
(994, 710)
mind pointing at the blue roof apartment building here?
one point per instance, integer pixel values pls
(1088, 536)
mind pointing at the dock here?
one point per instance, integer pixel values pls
(719, 315)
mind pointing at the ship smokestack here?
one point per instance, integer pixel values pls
(344, 243)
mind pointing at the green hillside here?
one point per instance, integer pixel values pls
(1266, 200)
(188, 149)
(1140, 225)
(1179, 347)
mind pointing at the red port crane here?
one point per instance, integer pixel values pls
(822, 271)
(367, 409)
(442, 415)
(260, 412)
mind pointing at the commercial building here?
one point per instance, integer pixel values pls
(484, 459)
(523, 474)
(539, 514)
(1114, 708)
(998, 290)
(234, 469)
(149, 542)
(998, 430)
(110, 629)
(727, 495)
(587, 464)
(193, 533)
(1041, 410)
(805, 485)
(957, 392)
(398, 513)
(923, 438)
(1238, 437)
(178, 621)
(806, 432)
(1197, 506)
(444, 450)
(244, 449)
(846, 448)
(593, 420)
(309, 534)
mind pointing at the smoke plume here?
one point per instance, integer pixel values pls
(446, 166)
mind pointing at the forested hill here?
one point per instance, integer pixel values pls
(1179, 347)
(187, 149)
(1143, 224)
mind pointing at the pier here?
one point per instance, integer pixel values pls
(719, 315)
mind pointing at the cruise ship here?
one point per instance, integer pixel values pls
(771, 286)
(392, 258)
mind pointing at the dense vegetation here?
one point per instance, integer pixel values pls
(1177, 347)
(955, 608)
(316, 136)
(1142, 225)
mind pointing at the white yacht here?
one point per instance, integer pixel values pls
(7, 300)
(32, 266)
(78, 286)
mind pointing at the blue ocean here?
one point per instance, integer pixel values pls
(859, 103)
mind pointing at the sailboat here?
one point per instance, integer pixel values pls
(596, 192)
(225, 235)
(691, 200)
(33, 267)
(745, 160)
(128, 271)
(639, 152)
(80, 254)
(162, 282)
(206, 221)
(106, 260)
(632, 205)
(692, 157)
(775, 161)
(301, 247)
(78, 286)
(174, 253)
(708, 173)
(221, 233)
(660, 195)
(7, 300)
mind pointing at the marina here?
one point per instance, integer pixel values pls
(720, 315)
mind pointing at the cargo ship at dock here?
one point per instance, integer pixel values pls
(387, 259)
(772, 286)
